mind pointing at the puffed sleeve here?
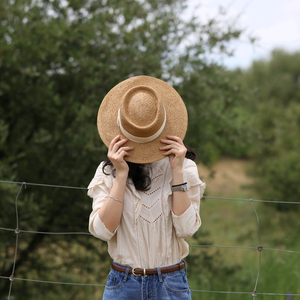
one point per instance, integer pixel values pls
(99, 190)
(189, 222)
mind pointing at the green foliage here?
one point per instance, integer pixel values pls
(274, 87)
(218, 123)
(58, 60)
(279, 179)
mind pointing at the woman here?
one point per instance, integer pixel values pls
(146, 196)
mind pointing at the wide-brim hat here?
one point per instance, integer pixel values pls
(145, 110)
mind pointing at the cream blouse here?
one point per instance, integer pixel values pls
(149, 235)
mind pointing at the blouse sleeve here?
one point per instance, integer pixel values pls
(99, 190)
(189, 222)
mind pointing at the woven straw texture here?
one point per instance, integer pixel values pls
(176, 116)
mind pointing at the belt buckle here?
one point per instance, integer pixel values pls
(133, 272)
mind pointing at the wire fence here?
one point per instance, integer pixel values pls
(259, 248)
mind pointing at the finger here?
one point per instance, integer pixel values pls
(118, 144)
(173, 146)
(124, 149)
(169, 142)
(177, 151)
(178, 141)
(122, 155)
(113, 141)
(175, 138)
(171, 151)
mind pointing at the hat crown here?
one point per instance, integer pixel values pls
(142, 111)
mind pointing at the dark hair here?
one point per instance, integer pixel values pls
(140, 173)
(190, 154)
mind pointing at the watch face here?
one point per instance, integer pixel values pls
(184, 187)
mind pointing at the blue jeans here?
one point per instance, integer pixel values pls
(169, 286)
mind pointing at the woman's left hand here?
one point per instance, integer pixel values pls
(176, 151)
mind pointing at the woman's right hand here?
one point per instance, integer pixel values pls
(116, 153)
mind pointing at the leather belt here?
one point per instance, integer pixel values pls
(153, 271)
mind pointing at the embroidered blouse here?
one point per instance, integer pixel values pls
(149, 234)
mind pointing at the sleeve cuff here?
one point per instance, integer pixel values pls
(101, 231)
(185, 224)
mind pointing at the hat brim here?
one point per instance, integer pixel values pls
(176, 118)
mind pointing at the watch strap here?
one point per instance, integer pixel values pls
(179, 187)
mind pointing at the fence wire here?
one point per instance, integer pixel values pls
(259, 248)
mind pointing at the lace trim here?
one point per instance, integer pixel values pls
(157, 176)
(150, 193)
(150, 222)
(148, 207)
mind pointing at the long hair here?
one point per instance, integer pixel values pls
(140, 173)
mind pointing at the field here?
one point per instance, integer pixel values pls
(210, 269)
(234, 223)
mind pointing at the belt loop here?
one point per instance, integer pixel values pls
(185, 267)
(126, 274)
(159, 275)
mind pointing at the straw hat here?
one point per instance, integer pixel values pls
(145, 110)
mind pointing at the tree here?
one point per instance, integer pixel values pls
(58, 60)
(274, 88)
(218, 120)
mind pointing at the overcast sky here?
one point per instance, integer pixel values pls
(275, 22)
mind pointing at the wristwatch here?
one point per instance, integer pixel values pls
(179, 187)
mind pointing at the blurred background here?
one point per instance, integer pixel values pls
(236, 64)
